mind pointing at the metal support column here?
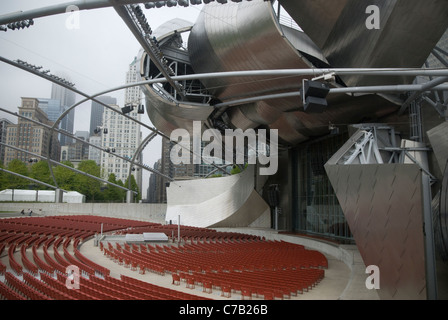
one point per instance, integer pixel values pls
(416, 126)
(129, 196)
(58, 195)
(428, 233)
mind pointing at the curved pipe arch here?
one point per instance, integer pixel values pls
(257, 73)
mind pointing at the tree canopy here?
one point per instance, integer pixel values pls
(66, 179)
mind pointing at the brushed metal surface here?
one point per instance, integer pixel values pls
(438, 137)
(229, 201)
(409, 30)
(383, 207)
(243, 36)
(443, 215)
(247, 36)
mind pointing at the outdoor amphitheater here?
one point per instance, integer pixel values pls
(85, 257)
(303, 157)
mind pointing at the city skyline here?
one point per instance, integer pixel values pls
(96, 56)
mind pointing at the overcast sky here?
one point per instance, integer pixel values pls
(95, 56)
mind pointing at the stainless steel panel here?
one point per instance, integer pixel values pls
(438, 137)
(408, 32)
(168, 116)
(246, 36)
(383, 207)
(442, 223)
(316, 17)
(242, 36)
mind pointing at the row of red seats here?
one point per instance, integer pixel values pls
(96, 267)
(31, 267)
(58, 261)
(199, 262)
(114, 223)
(49, 288)
(17, 267)
(2, 266)
(185, 258)
(9, 294)
(169, 293)
(45, 288)
(21, 288)
(60, 285)
(56, 225)
(267, 268)
(279, 284)
(44, 266)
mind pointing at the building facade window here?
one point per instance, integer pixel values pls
(316, 209)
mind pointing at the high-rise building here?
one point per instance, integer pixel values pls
(66, 99)
(3, 126)
(54, 109)
(133, 96)
(64, 95)
(168, 168)
(154, 191)
(30, 136)
(78, 150)
(94, 153)
(96, 113)
(121, 136)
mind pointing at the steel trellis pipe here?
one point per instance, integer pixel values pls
(62, 8)
(65, 166)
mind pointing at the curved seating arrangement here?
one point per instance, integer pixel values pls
(251, 267)
(48, 245)
(39, 250)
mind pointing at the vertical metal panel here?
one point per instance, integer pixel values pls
(438, 137)
(442, 221)
(383, 206)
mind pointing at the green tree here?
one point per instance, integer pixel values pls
(3, 178)
(134, 187)
(113, 193)
(15, 182)
(64, 176)
(40, 171)
(236, 169)
(88, 186)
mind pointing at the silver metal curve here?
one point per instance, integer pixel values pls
(247, 36)
(165, 111)
(408, 32)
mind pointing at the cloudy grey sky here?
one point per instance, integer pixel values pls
(95, 56)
